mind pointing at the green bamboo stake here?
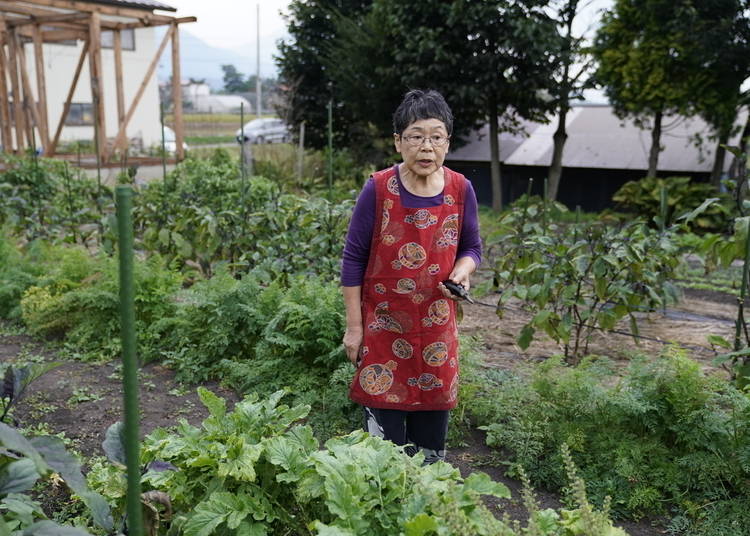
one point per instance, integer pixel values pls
(163, 145)
(330, 146)
(242, 145)
(663, 208)
(544, 208)
(124, 198)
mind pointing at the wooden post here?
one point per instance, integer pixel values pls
(121, 140)
(68, 100)
(118, 77)
(177, 92)
(29, 99)
(41, 87)
(6, 136)
(20, 126)
(95, 67)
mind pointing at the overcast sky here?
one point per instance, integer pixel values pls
(232, 23)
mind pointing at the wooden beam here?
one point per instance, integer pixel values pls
(140, 14)
(121, 139)
(135, 25)
(64, 35)
(95, 69)
(69, 99)
(20, 123)
(31, 103)
(177, 92)
(117, 43)
(51, 19)
(41, 86)
(34, 12)
(6, 135)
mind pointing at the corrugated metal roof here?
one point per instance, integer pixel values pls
(597, 138)
(136, 4)
(477, 147)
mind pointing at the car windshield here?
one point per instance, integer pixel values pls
(256, 123)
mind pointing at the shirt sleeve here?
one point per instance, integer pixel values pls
(470, 243)
(359, 238)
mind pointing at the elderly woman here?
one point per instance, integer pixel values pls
(414, 226)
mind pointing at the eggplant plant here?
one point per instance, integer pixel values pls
(580, 278)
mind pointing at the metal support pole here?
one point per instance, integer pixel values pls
(124, 198)
(330, 145)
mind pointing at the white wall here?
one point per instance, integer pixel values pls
(60, 62)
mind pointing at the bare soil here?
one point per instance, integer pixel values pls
(82, 400)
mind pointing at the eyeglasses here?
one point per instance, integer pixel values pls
(417, 139)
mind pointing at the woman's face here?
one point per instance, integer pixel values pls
(423, 146)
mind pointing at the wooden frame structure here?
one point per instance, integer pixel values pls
(24, 121)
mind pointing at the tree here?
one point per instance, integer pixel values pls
(233, 79)
(650, 62)
(301, 61)
(490, 59)
(723, 30)
(573, 65)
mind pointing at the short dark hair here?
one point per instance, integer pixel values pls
(419, 104)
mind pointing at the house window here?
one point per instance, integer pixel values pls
(127, 36)
(80, 114)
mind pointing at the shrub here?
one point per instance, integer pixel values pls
(663, 438)
(255, 470)
(204, 213)
(264, 338)
(78, 298)
(643, 198)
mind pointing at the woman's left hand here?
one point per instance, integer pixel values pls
(461, 275)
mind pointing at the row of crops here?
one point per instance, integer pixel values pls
(236, 279)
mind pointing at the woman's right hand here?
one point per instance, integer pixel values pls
(353, 342)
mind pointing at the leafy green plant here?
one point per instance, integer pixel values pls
(204, 213)
(16, 378)
(642, 198)
(661, 438)
(79, 301)
(23, 462)
(262, 338)
(581, 278)
(255, 470)
(43, 198)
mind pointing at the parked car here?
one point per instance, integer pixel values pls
(264, 130)
(170, 141)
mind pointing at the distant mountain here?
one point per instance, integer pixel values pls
(201, 60)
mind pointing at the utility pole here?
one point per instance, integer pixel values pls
(257, 60)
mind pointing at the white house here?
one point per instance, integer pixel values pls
(197, 97)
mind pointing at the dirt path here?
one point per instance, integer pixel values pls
(686, 324)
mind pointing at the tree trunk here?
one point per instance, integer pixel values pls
(497, 191)
(719, 160)
(733, 171)
(653, 157)
(555, 168)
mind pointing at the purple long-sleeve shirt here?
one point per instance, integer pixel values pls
(359, 238)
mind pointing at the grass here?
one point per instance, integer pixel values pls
(208, 140)
(212, 118)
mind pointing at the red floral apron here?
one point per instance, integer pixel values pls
(409, 355)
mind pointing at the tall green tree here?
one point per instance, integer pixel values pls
(308, 84)
(649, 62)
(233, 79)
(573, 66)
(492, 60)
(722, 28)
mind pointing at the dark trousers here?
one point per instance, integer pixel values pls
(423, 431)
